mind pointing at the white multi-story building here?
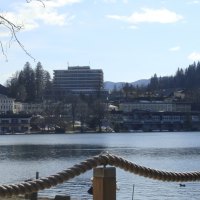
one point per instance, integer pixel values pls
(17, 107)
(9, 105)
(6, 104)
(78, 80)
(32, 108)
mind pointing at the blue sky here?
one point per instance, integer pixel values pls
(128, 39)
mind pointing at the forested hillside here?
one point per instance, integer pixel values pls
(187, 79)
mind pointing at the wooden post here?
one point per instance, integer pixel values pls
(61, 197)
(104, 183)
(34, 196)
(37, 175)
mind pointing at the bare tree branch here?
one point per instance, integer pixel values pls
(2, 50)
(13, 29)
(41, 1)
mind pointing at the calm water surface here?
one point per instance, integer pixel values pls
(22, 155)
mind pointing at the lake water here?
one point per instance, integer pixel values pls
(22, 155)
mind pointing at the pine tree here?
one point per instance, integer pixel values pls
(39, 82)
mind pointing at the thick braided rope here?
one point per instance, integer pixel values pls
(103, 159)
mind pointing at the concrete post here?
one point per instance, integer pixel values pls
(104, 183)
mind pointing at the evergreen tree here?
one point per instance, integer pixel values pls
(179, 78)
(154, 83)
(126, 89)
(39, 82)
(29, 77)
(190, 74)
(197, 81)
(12, 85)
(21, 93)
(48, 86)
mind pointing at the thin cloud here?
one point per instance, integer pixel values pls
(32, 14)
(109, 1)
(176, 48)
(194, 56)
(4, 32)
(133, 27)
(194, 2)
(60, 3)
(115, 1)
(147, 15)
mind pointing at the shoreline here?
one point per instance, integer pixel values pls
(93, 132)
(23, 198)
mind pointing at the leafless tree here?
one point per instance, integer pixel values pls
(13, 28)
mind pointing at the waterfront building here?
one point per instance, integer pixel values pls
(14, 123)
(28, 108)
(6, 104)
(78, 80)
(155, 121)
(155, 106)
(32, 108)
(17, 107)
(39, 108)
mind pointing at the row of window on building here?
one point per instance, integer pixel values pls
(17, 107)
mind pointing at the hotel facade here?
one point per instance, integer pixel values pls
(78, 80)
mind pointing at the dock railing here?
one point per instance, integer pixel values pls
(104, 182)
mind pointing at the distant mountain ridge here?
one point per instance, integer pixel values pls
(109, 85)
